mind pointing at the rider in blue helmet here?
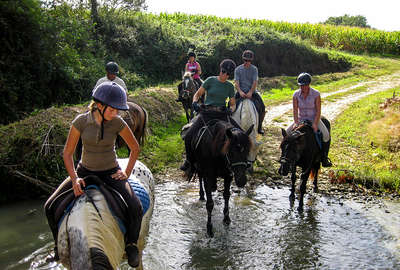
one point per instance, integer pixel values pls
(98, 128)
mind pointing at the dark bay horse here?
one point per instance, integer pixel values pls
(300, 148)
(187, 88)
(136, 118)
(221, 150)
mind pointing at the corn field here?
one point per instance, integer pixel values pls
(351, 39)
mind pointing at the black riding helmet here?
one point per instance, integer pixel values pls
(190, 54)
(109, 94)
(248, 55)
(112, 68)
(227, 66)
(304, 79)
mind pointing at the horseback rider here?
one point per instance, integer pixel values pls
(307, 106)
(246, 79)
(217, 90)
(99, 128)
(194, 67)
(112, 70)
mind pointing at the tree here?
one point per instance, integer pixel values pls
(125, 4)
(358, 21)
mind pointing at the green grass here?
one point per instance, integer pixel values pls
(163, 147)
(356, 146)
(364, 68)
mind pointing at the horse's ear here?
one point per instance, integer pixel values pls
(284, 134)
(249, 130)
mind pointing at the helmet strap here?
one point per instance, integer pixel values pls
(102, 121)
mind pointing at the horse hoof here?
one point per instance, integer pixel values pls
(210, 230)
(227, 221)
(300, 208)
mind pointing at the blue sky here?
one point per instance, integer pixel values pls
(380, 14)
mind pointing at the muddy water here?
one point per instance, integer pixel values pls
(265, 233)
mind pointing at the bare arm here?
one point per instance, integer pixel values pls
(198, 94)
(69, 149)
(133, 145)
(317, 113)
(232, 104)
(295, 111)
(187, 67)
(237, 86)
(253, 88)
(198, 69)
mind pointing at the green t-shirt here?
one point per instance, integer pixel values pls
(217, 92)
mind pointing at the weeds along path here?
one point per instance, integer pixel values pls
(282, 114)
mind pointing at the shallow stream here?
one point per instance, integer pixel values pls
(265, 233)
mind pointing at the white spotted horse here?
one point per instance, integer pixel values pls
(301, 147)
(91, 229)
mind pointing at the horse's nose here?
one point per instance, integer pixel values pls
(241, 181)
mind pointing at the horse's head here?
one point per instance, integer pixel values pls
(189, 87)
(292, 147)
(237, 148)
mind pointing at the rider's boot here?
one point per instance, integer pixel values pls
(260, 121)
(325, 161)
(132, 253)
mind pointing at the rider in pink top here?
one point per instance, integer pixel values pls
(194, 67)
(307, 106)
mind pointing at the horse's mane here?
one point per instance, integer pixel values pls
(303, 128)
(187, 74)
(220, 143)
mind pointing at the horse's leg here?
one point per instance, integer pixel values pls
(209, 206)
(303, 186)
(187, 115)
(292, 190)
(315, 173)
(201, 192)
(227, 195)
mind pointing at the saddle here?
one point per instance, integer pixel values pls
(318, 134)
(64, 203)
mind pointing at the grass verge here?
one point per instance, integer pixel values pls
(365, 139)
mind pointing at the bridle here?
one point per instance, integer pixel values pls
(231, 164)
